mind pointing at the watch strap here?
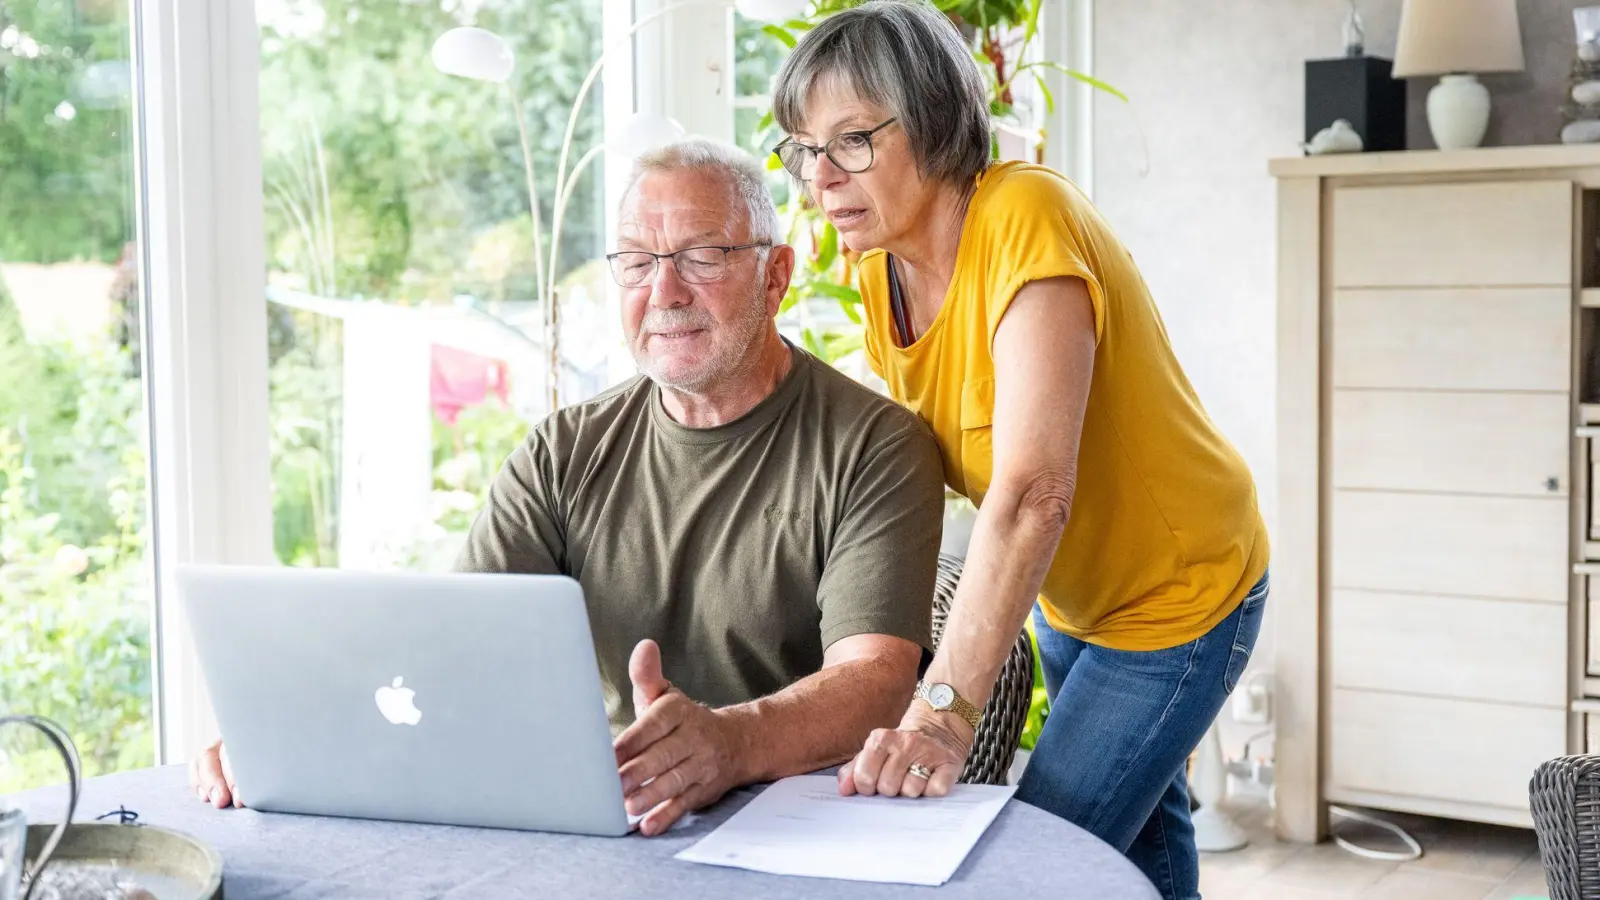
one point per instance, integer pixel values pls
(960, 705)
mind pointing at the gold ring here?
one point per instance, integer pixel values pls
(918, 770)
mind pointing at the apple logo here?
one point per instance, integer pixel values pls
(394, 701)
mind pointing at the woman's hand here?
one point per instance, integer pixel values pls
(211, 777)
(938, 741)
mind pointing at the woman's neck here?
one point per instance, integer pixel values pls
(925, 256)
(929, 249)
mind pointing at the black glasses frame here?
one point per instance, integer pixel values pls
(611, 260)
(864, 134)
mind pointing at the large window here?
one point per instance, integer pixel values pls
(75, 585)
(403, 351)
(407, 350)
(757, 55)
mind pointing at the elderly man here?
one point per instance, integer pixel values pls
(756, 534)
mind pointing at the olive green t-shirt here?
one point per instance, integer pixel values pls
(744, 550)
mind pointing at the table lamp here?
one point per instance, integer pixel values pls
(1456, 39)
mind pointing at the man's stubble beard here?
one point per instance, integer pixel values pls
(735, 352)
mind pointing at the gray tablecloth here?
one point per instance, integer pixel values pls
(1026, 853)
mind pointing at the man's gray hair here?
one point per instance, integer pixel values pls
(907, 57)
(741, 171)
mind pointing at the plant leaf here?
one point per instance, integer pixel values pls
(840, 292)
(850, 310)
(765, 123)
(828, 250)
(1090, 80)
(842, 344)
(1044, 90)
(814, 346)
(782, 34)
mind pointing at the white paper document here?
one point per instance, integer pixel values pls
(801, 826)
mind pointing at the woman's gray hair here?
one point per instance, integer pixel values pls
(744, 175)
(907, 57)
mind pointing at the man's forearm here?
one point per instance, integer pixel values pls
(821, 720)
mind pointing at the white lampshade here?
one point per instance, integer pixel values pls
(644, 132)
(1441, 37)
(771, 10)
(474, 53)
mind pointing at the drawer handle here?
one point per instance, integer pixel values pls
(1552, 483)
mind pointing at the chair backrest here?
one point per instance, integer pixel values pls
(1006, 713)
(1564, 796)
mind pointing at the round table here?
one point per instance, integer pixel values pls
(1025, 853)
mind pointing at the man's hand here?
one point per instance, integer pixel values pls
(677, 756)
(211, 776)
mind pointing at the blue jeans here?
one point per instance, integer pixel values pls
(1121, 726)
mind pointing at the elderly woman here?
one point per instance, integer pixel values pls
(1001, 308)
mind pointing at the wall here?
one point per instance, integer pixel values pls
(1217, 90)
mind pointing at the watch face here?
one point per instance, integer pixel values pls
(941, 696)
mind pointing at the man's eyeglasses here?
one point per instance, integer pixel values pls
(851, 151)
(695, 265)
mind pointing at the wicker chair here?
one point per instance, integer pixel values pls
(1564, 795)
(995, 745)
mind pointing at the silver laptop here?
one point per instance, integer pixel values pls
(448, 699)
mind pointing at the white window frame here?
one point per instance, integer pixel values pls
(1067, 32)
(683, 63)
(205, 317)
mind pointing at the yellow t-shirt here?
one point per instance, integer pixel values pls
(1165, 538)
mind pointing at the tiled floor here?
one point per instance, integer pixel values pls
(1461, 861)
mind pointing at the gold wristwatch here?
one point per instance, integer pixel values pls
(944, 698)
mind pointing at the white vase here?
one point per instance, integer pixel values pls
(1458, 112)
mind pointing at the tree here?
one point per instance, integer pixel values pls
(65, 130)
(74, 586)
(386, 179)
(383, 173)
(382, 179)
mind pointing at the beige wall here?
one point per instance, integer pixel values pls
(1218, 89)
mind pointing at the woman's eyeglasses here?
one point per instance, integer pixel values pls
(851, 151)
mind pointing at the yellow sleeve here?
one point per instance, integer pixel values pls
(874, 361)
(1026, 230)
